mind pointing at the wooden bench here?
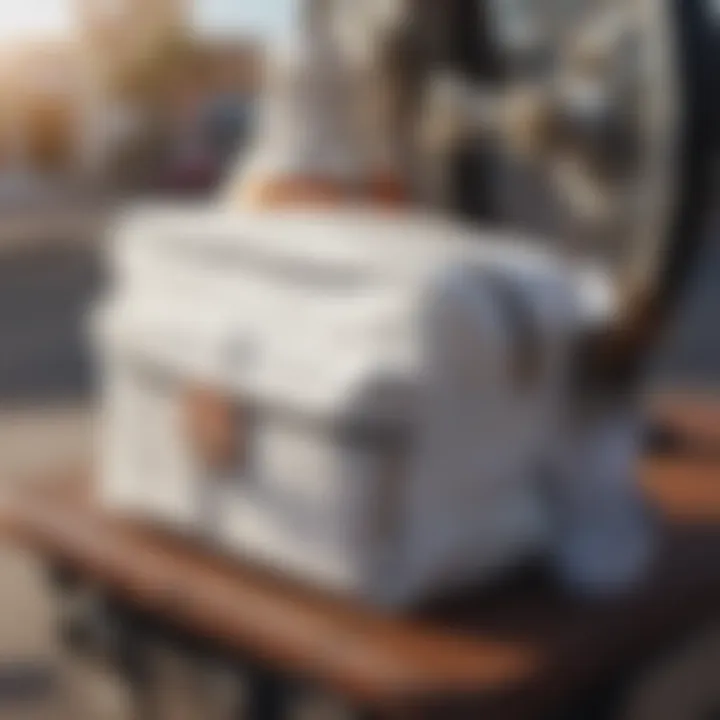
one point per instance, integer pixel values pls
(522, 650)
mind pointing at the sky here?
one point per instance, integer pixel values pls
(265, 16)
(20, 19)
(32, 17)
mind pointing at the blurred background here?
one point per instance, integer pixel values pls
(103, 102)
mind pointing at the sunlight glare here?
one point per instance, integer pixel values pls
(21, 19)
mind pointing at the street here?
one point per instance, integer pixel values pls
(43, 300)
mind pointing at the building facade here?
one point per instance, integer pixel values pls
(63, 107)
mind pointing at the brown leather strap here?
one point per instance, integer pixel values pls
(272, 193)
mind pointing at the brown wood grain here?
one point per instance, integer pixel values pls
(525, 644)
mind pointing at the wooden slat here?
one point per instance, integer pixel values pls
(357, 651)
(695, 415)
(522, 643)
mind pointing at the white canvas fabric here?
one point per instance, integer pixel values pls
(406, 374)
(308, 125)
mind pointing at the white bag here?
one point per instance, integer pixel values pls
(397, 379)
